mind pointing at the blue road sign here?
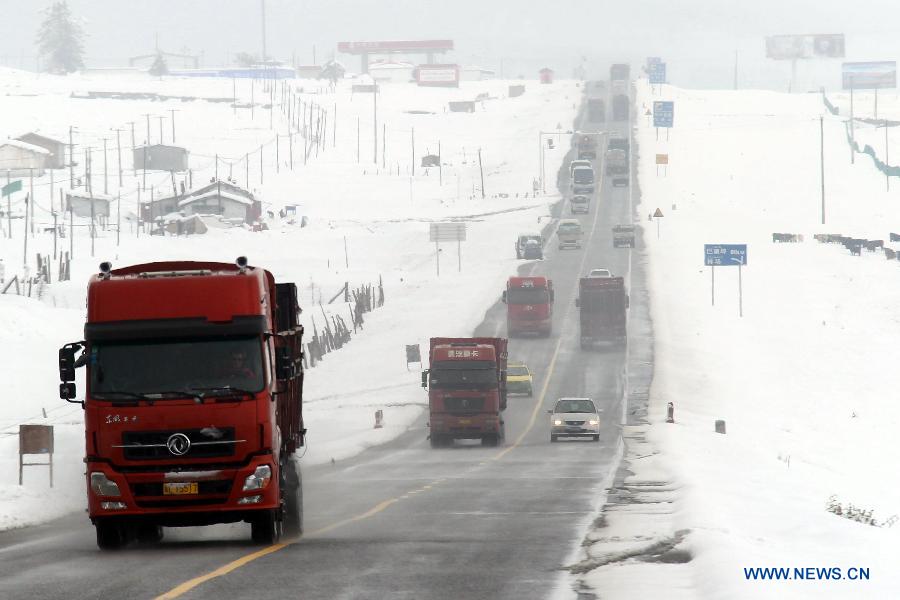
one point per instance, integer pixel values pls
(657, 72)
(724, 255)
(663, 113)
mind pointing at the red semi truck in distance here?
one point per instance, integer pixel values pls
(529, 302)
(603, 315)
(192, 406)
(466, 382)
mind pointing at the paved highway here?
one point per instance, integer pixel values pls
(401, 520)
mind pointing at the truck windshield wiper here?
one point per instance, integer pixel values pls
(227, 389)
(120, 394)
(176, 393)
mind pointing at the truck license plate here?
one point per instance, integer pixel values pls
(465, 421)
(180, 488)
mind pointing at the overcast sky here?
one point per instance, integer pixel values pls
(698, 38)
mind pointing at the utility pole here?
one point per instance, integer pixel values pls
(375, 118)
(87, 161)
(105, 164)
(262, 6)
(119, 155)
(133, 146)
(147, 143)
(71, 160)
(173, 111)
(161, 119)
(852, 129)
(822, 162)
(481, 169)
(887, 164)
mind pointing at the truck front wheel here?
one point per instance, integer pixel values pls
(111, 535)
(266, 527)
(292, 490)
(491, 440)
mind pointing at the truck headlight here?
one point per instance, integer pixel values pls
(103, 486)
(259, 479)
(594, 422)
(557, 422)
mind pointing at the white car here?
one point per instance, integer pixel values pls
(599, 273)
(574, 417)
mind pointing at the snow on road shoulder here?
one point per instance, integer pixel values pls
(804, 381)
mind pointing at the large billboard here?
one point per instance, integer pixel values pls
(869, 75)
(792, 47)
(438, 75)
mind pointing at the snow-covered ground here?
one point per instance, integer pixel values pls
(805, 380)
(383, 218)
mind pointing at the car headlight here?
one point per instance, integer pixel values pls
(594, 422)
(557, 421)
(103, 486)
(259, 479)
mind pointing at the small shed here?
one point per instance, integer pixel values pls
(546, 75)
(56, 148)
(224, 199)
(19, 158)
(462, 106)
(152, 210)
(80, 205)
(160, 157)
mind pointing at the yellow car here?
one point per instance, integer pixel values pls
(518, 379)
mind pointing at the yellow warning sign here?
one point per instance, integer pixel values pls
(658, 213)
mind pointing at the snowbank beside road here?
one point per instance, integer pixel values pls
(805, 380)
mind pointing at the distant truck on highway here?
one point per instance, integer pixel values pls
(587, 147)
(582, 180)
(603, 305)
(530, 246)
(580, 204)
(618, 141)
(569, 233)
(620, 107)
(529, 305)
(596, 110)
(466, 382)
(619, 72)
(616, 162)
(623, 235)
(192, 407)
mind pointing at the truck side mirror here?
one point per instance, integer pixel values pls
(425, 377)
(67, 372)
(284, 363)
(627, 301)
(504, 297)
(552, 295)
(578, 302)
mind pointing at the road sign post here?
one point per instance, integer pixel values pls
(447, 232)
(726, 255)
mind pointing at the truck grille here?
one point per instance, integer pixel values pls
(464, 405)
(152, 445)
(220, 487)
(575, 423)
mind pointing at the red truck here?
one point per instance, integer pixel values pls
(466, 382)
(603, 315)
(193, 400)
(529, 302)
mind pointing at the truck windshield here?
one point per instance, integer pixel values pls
(584, 176)
(464, 374)
(610, 301)
(161, 367)
(527, 296)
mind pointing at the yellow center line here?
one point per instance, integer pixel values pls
(187, 586)
(539, 401)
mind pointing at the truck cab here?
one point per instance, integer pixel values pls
(466, 382)
(192, 403)
(529, 302)
(569, 233)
